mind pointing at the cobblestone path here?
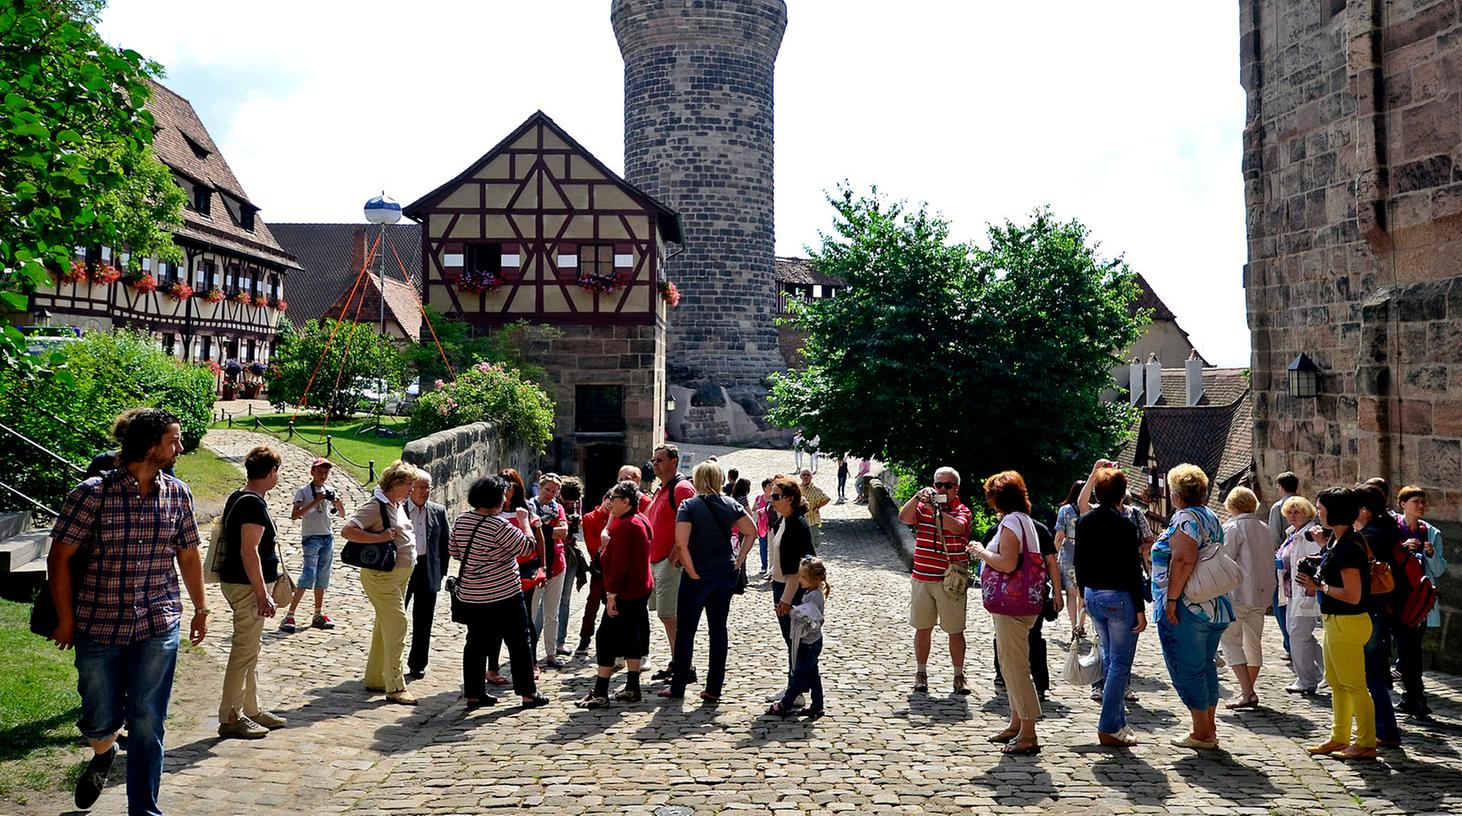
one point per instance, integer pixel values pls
(880, 749)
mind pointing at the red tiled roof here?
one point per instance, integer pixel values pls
(1148, 299)
(401, 306)
(332, 256)
(176, 124)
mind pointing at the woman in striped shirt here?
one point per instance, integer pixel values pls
(488, 585)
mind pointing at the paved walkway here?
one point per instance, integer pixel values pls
(881, 748)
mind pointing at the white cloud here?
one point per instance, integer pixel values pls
(1126, 116)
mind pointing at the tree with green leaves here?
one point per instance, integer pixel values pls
(332, 373)
(984, 358)
(76, 167)
(464, 348)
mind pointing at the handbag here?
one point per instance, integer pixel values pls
(1382, 579)
(454, 584)
(284, 587)
(1019, 592)
(379, 555)
(1083, 670)
(1215, 574)
(218, 549)
(956, 578)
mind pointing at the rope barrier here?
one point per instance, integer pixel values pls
(349, 344)
(419, 305)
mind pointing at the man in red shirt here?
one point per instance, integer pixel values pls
(941, 538)
(674, 489)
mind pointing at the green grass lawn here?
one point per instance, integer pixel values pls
(38, 709)
(353, 441)
(211, 477)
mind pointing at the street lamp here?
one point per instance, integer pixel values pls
(1304, 377)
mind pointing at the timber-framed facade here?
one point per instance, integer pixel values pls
(539, 230)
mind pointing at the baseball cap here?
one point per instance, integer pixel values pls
(321, 461)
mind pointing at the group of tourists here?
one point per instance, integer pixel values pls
(126, 543)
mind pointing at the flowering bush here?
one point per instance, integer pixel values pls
(242, 297)
(142, 282)
(179, 291)
(479, 280)
(669, 293)
(487, 392)
(105, 274)
(603, 284)
(213, 367)
(75, 274)
(213, 295)
(281, 304)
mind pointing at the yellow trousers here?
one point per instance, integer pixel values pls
(387, 594)
(1345, 671)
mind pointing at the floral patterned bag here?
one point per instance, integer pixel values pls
(1019, 592)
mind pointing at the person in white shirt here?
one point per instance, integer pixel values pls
(314, 503)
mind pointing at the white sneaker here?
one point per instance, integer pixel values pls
(777, 695)
(800, 701)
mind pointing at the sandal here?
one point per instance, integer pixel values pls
(1005, 736)
(1018, 748)
(776, 710)
(1118, 740)
(497, 680)
(1252, 701)
(921, 681)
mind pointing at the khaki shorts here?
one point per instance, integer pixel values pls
(666, 595)
(930, 604)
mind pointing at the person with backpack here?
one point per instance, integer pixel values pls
(1426, 563)
(1382, 536)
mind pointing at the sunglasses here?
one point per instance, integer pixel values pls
(946, 485)
(777, 497)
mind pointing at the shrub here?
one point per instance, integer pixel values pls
(487, 392)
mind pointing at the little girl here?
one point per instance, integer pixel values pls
(807, 619)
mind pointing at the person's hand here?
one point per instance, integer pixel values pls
(264, 603)
(198, 629)
(1058, 602)
(65, 634)
(925, 495)
(783, 608)
(1305, 581)
(1413, 544)
(611, 608)
(1170, 612)
(1141, 624)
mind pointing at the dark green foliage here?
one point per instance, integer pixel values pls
(342, 367)
(487, 392)
(984, 358)
(463, 349)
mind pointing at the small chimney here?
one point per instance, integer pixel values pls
(1193, 375)
(1154, 380)
(1134, 382)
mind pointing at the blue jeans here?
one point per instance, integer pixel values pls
(129, 684)
(1281, 616)
(1113, 614)
(763, 550)
(571, 568)
(317, 553)
(805, 675)
(1189, 647)
(712, 595)
(1378, 677)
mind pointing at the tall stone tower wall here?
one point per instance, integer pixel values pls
(698, 136)
(1352, 172)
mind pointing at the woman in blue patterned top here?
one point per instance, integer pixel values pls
(1066, 518)
(1189, 632)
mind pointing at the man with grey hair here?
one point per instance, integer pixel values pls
(941, 572)
(430, 518)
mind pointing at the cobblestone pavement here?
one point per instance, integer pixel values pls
(880, 749)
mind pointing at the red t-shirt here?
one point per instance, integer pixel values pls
(662, 517)
(929, 559)
(592, 527)
(626, 560)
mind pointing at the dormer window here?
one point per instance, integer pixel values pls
(198, 149)
(246, 218)
(201, 197)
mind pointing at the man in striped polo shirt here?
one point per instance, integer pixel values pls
(941, 525)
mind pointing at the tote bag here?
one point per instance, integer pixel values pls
(1022, 591)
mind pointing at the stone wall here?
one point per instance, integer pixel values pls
(698, 136)
(885, 511)
(457, 457)
(1352, 170)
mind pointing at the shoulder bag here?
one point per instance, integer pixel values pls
(1215, 574)
(43, 615)
(1019, 592)
(956, 578)
(380, 555)
(1083, 670)
(1383, 581)
(454, 584)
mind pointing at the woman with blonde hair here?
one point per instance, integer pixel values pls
(1189, 630)
(379, 520)
(1248, 541)
(703, 528)
(1304, 540)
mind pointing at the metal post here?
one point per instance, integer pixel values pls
(329, 446)
(251, 409)
(371, 465)
(291, 431)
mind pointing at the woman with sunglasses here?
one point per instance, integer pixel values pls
(789, 543)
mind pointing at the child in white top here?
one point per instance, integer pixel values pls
(807, 624)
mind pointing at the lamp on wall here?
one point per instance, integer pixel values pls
(670, 404)
(1304, 377)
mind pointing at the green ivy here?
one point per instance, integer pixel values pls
(487, 392)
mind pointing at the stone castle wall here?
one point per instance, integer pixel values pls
(459, 456)
(698, 136)
(1352, 170)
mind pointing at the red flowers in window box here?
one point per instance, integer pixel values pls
(603, 284)
(243, 298)
(179, 291)
(474, 281)
(281, 304)
(143, 282)
(104, 274)
(669, 293)
(76, 273)
(213, 295)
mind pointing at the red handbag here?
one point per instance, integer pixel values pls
(1022, 591)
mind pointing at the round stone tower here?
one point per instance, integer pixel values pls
(698, 136)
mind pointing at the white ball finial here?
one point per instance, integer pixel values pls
(383, 210)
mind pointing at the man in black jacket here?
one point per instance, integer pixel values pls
(429, 519)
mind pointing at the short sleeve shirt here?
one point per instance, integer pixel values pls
(663, 508)
(709, 518)
(1347, 553)
(1201, 525)
(930, 559)
(1066, 522)
(247, 508)
(813, 494)
(316, 520)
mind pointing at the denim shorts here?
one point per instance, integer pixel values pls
(318, 554)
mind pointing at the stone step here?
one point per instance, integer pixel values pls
(17, 551)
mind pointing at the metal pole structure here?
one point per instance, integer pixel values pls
(381, 361)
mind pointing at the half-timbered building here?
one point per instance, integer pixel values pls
(224, 300)
(539, 230)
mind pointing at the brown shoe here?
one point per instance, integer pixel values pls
(960, 686)
(1122, 739)
(402, 697)
(1326, 748)
(1357, 752)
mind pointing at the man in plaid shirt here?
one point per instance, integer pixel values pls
(122, 614)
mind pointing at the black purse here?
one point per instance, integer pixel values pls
(43, 615)
(460, 608)
(380, 555)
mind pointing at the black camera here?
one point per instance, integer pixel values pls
(1309, 566)
(1317, 534)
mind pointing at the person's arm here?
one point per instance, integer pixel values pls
(1058, 591)
(682, 549)
(1185, 557)
(560, 525)
(909, 513)
(355, 531)
(821, 503)
(249, 536)
(1002, 559)
(1349, 590)
(300, 508)
(190, 564)
(749, 537)
(1435, 562)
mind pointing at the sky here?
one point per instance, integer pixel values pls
(1126, 116)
